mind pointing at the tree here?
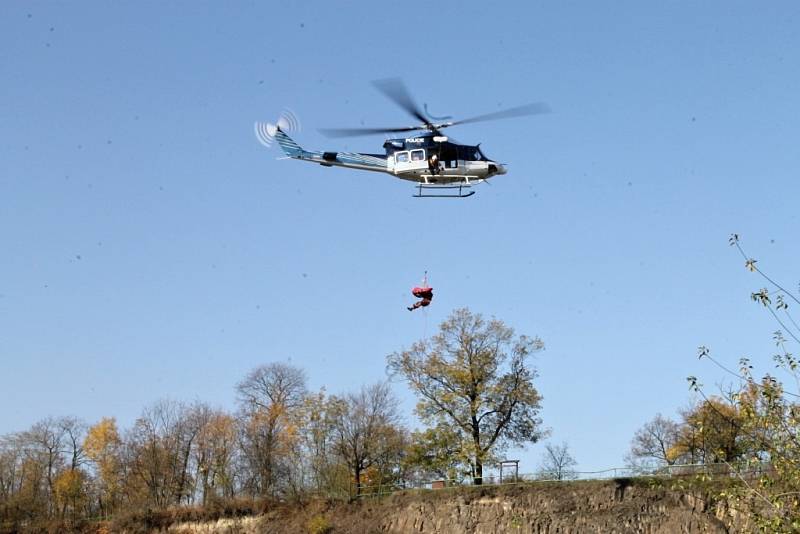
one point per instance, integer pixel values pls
(214, 452)
(763, 415)
(270, 397)
(40, 474)
(70, 493)
(367, 432)
(10, 461)
(23, 488)
(53, 444)
(326, 473)
(73, 431)
(474, 376)
(712, 432)
(656, 440)
(437, 452)
(103, 448)
(158, 454)
(557, 463)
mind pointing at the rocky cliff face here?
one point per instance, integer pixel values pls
(546, 508)
(562, 509)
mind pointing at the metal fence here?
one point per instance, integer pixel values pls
(748, 471)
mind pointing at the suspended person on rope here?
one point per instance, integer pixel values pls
(424, 292)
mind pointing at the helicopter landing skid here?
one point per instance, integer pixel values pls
(429, 184)
(457, 191)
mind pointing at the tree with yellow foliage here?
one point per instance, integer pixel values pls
(214, 452)
(712, 432)
(71, 493)
(102, 446)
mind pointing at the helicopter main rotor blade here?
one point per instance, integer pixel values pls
(537, 108)
(355, 132)
(396, 91)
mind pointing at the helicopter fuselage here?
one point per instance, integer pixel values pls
(430, 158)
(425, 159)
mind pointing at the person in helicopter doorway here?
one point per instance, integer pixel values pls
(433, 163)
(424, 293)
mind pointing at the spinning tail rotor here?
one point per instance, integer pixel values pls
(265, 131)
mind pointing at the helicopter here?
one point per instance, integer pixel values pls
(438, 165)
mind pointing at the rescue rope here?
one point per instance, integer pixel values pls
(425, 308)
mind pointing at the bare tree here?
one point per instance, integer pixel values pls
(271, 385)
(159, 449)
(557, 463)
(656, 440)
(367, 430)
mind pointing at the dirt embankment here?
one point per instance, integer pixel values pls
(546, 508)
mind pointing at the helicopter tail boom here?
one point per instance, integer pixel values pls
(353, 160)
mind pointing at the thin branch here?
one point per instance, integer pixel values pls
(738, 474)
(752, 265)
(786, 311)
(775, 315)
(707, 355)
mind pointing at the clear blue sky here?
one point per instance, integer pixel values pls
(152, 248)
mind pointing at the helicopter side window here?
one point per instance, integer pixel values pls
(401, 157)
(417, 155)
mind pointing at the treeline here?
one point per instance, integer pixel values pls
(283, 441)
(739, 429)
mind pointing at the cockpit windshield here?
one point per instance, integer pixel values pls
(471, 153)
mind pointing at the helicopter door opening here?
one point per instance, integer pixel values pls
(449, 157)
